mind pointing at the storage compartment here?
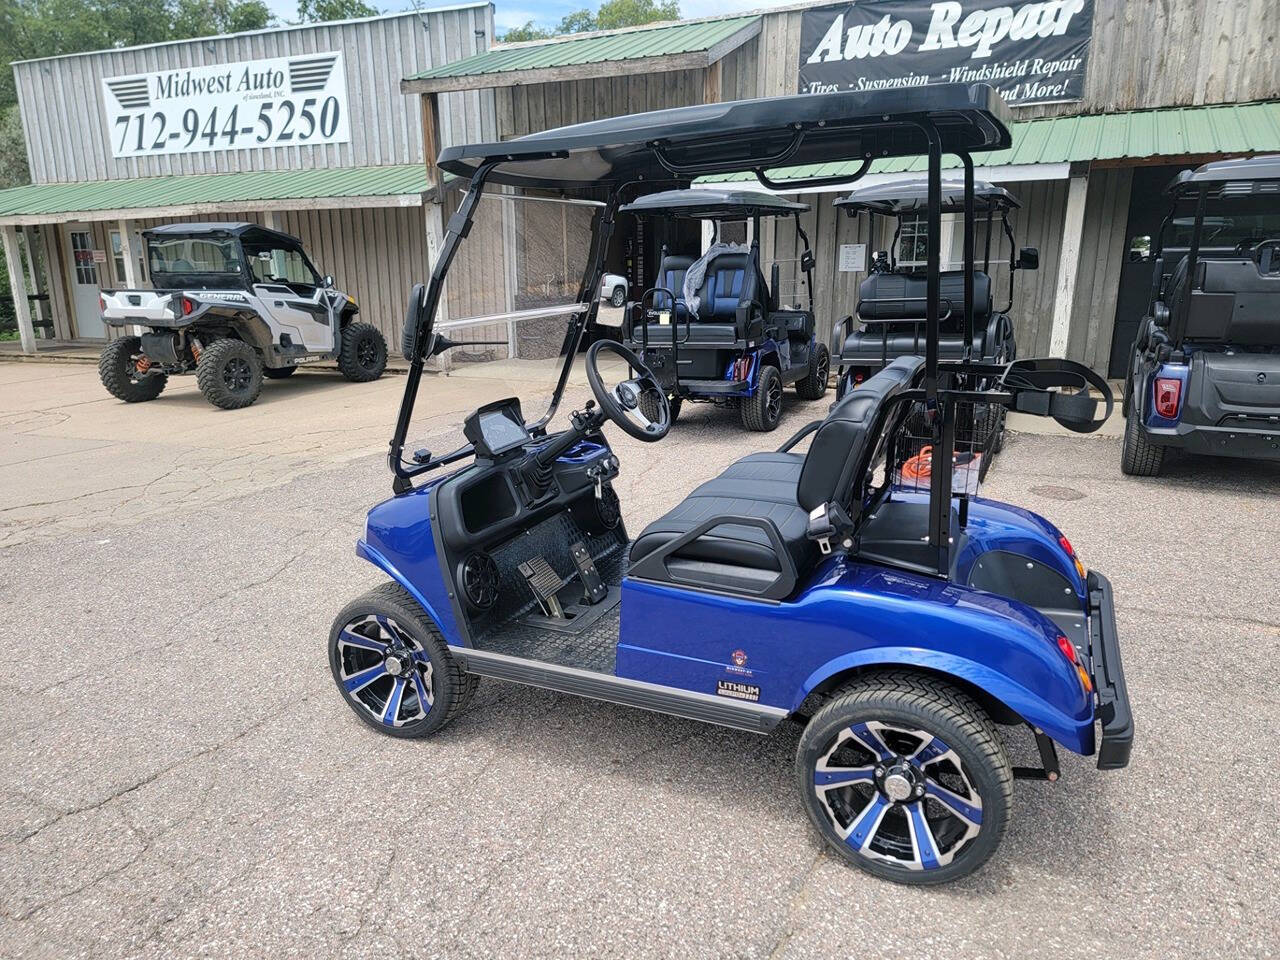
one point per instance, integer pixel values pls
(488, 502)
(1233, 388)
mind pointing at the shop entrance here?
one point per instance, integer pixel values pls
(85, 283)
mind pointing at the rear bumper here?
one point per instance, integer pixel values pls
(1251, 443)
(1108, 676)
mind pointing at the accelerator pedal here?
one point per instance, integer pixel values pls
(545, 584)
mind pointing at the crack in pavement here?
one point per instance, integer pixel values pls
(796, 900)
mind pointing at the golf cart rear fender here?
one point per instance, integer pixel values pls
(765, 353)
(399, 540)
(1002, 526)
(1000, 648)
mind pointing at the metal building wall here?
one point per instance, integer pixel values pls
(65, 121)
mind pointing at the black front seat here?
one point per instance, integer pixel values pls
(781, 487)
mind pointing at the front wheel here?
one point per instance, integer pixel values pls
(363, 354)
(905, 777)
(763, 410)
(126, 372)
(618, 297)
(393, 668)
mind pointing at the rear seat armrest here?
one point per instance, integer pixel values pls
(658, 568)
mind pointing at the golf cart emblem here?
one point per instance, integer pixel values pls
(739, 658)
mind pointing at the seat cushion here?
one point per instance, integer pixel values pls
(761, 485)
(660, 333)
(872, 343)
(901, 296)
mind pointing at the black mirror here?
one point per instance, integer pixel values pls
(1028, 258)
(807, 261)
(327, 282)
(417, 324)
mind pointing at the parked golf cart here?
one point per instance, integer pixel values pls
(902, 627)
(712, 329)
(890, 309)
(233, 302)
(1204, 374)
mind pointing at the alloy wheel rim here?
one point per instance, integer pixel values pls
(385, 671)
(236, 374)
(897, 795)
(773, 399)
(366, 352)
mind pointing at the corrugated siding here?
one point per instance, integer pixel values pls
(529, 108)
(65, 122)
(1102, 256)
(635, 44)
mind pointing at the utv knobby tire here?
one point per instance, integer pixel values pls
(649, 407)
(930, 704)
(118, 372)
(452, 688)
(1139, 457)
(814, 384)
(762, 412)
(278, 373)
(229, 374)
(363, 354)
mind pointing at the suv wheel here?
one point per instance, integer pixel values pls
(763, 411)
(618, 297)
(1140, 457)
(229, 374)
(363, 355)
(118, 368)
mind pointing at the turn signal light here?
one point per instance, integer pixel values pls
(1168, 396)
(1071, 552)
(1069, 651)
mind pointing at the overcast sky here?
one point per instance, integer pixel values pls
(545, 13)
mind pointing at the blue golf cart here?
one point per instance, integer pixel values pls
(713, 329)
(901, 627)
(1204, 372)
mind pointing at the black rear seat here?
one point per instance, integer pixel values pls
(897, 296)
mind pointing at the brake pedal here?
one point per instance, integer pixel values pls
(593, 588)
(545, 584)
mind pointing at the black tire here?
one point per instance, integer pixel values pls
(649, 406)
(118, 372)
(278, 373)
(906, 701)
(449, 689)
(229, 374)
(814, 385)
(1139, 457)
(763, 411)
(363, 355)
(618, 297)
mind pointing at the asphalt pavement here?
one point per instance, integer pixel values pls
(179, 777)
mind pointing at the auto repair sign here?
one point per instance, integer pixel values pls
(1030, 52)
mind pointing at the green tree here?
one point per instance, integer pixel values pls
(611, 15)
(197, 18)
(580, 21)
(525, 32)
(323, 11)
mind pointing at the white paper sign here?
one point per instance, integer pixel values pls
(278, 102)
(853, 257)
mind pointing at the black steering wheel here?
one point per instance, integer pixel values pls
(621, 402)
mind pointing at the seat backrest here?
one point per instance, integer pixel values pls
(730, 280)
(840, 447)
(901, 296)
(671, 273)
(1236, 302)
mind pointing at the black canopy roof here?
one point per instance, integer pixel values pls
(254, 232)
(714, 204)
(1242, 177)
(902, 196)
(687, 142)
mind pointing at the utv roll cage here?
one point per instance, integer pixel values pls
(644, 153)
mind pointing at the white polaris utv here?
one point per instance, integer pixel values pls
(233, 302)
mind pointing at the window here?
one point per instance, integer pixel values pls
(117, 255)
(82, 255)
(273, 263)
(186, 255)
(913, 242)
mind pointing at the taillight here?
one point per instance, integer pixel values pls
(1069, 651)
(1071, 552)
(1168, 396)
(188, 306)
(102, 304)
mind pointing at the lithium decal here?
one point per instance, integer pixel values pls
(738, 691)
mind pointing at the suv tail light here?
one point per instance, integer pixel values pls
(1168, 396)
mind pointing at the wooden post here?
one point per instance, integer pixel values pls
(1068, 264)
(18, 287)
(433, 208)
(29, 239)
(712, 79)
(131, 279)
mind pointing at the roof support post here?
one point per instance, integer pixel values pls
(130, 257)
(1068, 263)
(30, 238)
(18, 287)
(433, 207)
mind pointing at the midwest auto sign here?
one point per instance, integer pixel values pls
(1030, 52)
(276, 102)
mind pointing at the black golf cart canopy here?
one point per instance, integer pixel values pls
(907, 196)
(1223, 179)
(687, 142)
(252, 232)
(714, 205)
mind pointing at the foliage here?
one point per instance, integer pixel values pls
(612, 15)
(323, 11)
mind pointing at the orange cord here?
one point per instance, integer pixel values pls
(919, 467)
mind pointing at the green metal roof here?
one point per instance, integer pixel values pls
(638, 44)
(1235, 128)
(211, 190)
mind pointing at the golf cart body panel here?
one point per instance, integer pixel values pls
(790, 577)
(1204, 374)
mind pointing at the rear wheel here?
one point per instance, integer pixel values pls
(649, 407)
(392, 666)
(363, 355)
(763, 410)
(278, 373)
(229, 374)
(125, 372)
(814, 385)
(905, 776)
(1140, 457)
